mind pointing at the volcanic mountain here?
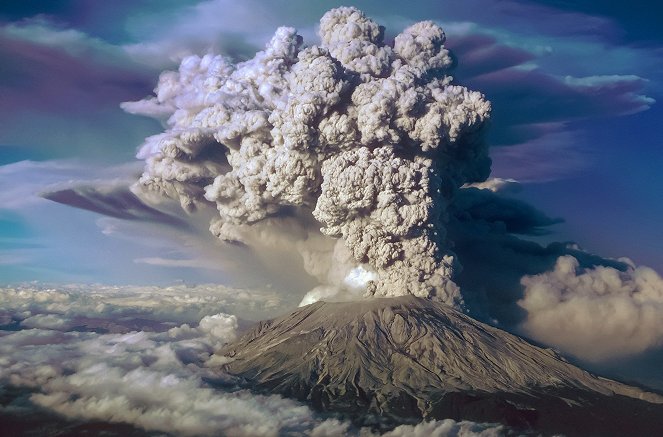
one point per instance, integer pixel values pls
(383, 362)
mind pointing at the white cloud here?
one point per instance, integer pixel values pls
(447, 428)
(40, 31)
(34, 177)
(595, 314)
(630, 85)
(146, 379)
(219, 25)
(497, 185)
(46, 321)
(173, 304)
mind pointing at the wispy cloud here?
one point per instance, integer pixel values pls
(529, 59)
(197, 263)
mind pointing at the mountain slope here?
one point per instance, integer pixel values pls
(388, 361)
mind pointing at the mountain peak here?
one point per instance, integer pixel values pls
(393, 360)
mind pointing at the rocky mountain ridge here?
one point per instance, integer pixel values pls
(387, 361)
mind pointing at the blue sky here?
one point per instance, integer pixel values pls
(574, 87)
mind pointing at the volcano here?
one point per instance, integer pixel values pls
(384, 362)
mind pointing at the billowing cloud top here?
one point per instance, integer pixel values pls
(372, 139)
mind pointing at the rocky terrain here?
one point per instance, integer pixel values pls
(382, 362)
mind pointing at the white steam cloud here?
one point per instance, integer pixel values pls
(596, 313)
(371, 140)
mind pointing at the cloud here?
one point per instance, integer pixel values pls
(497, 185)
(54, 69)
(595, 313)
(477, 54)
(45, 321)
(447, 428)
(492, 234)
(485, 203)
(518, 93)
(38, 230)
(198, 263)
(177, 303)
(142, 237)
(623, 90)
(557, 153)
(35, 177)
(150, 227)
(112, 200)
(70, 85)
(176, 241)
(144, 379)
(39, 31)
(322, 130)
(542, 88)
(235, 29)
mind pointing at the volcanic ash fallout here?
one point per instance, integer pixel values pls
(372, 140)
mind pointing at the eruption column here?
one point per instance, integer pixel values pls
(372, 140)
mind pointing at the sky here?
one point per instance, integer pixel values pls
(574, 87)
(576, 90)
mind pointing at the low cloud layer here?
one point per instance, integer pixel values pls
(121, 304)
(595, 313)
(447, 428)
(155, 381)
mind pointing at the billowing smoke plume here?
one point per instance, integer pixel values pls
(369, 138)
(595, 314)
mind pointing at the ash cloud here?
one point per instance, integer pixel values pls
(491, 231)
(596, 314)
(372, 140)
(113, 201)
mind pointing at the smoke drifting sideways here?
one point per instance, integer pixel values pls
(358, 144)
